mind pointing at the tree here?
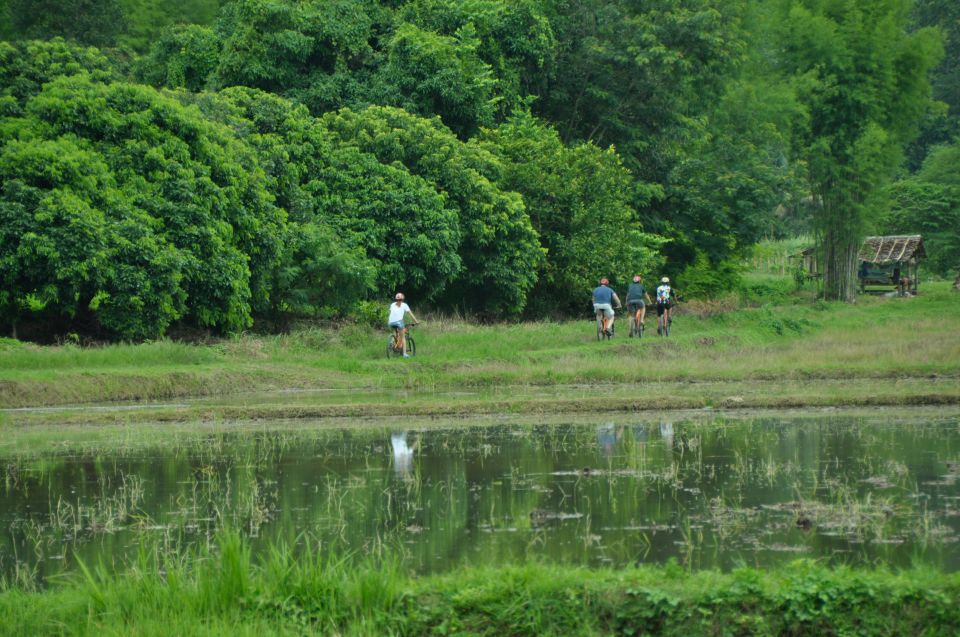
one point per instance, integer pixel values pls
(514, 38)
(279, 45)
(121, 203)
(643, 77)
(26, 66)
(431, 74)
(499, 247)
(942, 123)
(95, 22)
(579, 202)
(862, 81)
(397, 221)
(929, 203)
(147, 19)
(729, 179)
(633, 72)
(183, 57)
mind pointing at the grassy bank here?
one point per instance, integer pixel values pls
(225, 591)
(792, 353)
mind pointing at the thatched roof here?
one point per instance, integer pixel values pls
(892, 249)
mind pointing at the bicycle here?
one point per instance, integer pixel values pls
(636, 326)
(393, 343)
(665, 320)
(603, 333)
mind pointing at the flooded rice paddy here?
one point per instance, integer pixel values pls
(707, 491)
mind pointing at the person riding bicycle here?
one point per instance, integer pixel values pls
(603, 300)
(664, 304)
(398, 312)
(636, 295)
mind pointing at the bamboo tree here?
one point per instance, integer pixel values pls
(863, 82)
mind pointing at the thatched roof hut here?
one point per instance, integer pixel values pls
(884, 261)
(894, 249)
(893, 260)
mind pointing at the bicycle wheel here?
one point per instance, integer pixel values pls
(391, 352)
(411, 346)
(599, 327)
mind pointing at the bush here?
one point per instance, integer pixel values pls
(120, 203)
(770, 291)
(706, 280)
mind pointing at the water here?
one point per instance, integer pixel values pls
(707, 491)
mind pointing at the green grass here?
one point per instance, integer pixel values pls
(876, 352)
(224, 590)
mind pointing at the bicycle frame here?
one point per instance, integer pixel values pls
(604, 326)
(397, 346)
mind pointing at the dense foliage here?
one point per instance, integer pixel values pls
(227, 590)
(929, 204)
(490, 156)
(120, 201)
(862, 80)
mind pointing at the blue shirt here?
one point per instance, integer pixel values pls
(603, 294)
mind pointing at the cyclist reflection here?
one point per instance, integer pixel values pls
(402, 454)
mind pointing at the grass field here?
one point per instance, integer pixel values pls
(776, 350)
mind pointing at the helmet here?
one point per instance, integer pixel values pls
(399, 296)
(636, 278)
(665, 280)
(604, 281)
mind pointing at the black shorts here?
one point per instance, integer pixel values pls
(634, 306)
(663, 307)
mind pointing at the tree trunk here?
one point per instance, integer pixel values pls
(839, 239)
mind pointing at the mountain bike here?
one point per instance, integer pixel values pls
(393, 342)
(665, 320)
(601, 332)
(636, 327)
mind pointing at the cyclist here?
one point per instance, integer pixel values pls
(664, 303)
(636, 294)
(398, 312)
(603, 299)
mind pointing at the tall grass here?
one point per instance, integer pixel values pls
(224, 591)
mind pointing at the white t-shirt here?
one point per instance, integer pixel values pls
(397, 313)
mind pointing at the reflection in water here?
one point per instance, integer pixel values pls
(639, 433)
(608, 434)
(709, 492)
(402, 454)
(666, 432)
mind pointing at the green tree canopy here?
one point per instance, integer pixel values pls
(26, 66)
(500, 251)
(514, 38)
(579, 202)
(146, 19)
(398, 220)
(122, 202)
(929, 204)
(182, 57)
(93, 22)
